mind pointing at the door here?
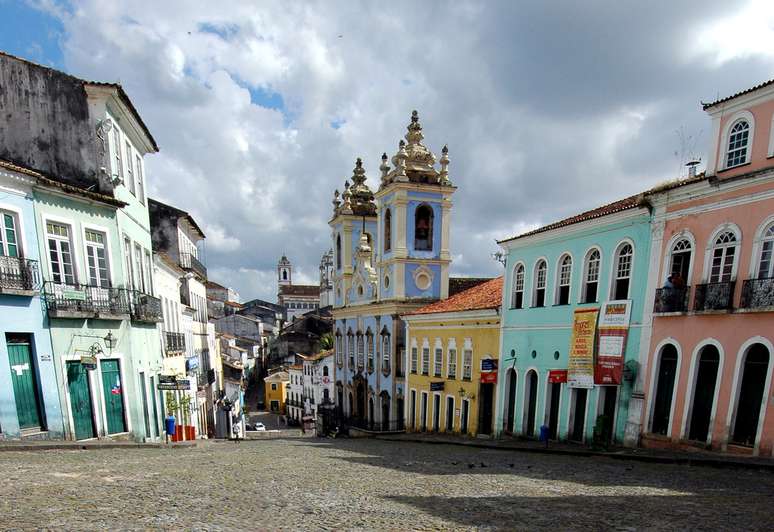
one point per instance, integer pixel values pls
(665, 383)
(464, 412)
(413, 410)
(449, 414)
(555, 390)
(113, 394)
(609, 402)
(146, 413)
(532, 384)
(24, 387)
(704, 393)
(751, 397)
(579, 414)
(511, 405)
(423, 413)
(155, 406)
(80, 400)
(436, 412)
(486, 393)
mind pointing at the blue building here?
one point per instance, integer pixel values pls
(29, 397)
(391, 254)
(595, 262)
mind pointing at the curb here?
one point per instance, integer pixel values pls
(89, 446)
(718, 463)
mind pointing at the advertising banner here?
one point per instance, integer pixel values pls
(557, 376)
(580, 368)
(489, 378)
(613, 330)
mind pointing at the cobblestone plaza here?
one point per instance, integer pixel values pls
(368, 484)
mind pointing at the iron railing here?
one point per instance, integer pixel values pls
(757, 293)
(78, 301)
(714, 296)
(174, 342)
(189, 262)
(145, 307)
(18, 274)
(671, 300)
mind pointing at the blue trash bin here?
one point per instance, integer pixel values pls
(169, 425)
(544, 433)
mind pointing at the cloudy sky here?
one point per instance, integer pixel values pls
(260, 109)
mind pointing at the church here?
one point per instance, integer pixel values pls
(296, 299)
(391, 256)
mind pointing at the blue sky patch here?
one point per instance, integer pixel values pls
(30, 33)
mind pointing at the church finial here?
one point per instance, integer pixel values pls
(400, 160)
(346, 208)
(358, 174)
(443, 176)
(384, 168)
(414, 135)
(336, 201)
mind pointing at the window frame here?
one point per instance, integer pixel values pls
(451, 359)
(140, 178)
(425, 358)
(560, 283)
(615, 270)
(431, 226)
(711, 246)
(438, 358)
(536, 282)
(732, 151)
(88, 246)
(17, 234)
(516, 288)
(58, 239)
(583, 296)
(387, 230)
(722, 152)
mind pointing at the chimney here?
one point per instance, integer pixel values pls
(692, 165)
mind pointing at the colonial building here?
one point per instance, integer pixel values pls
(294, 401)
(391, 256)
(452, 362)
(318, 384)
(709, 363)
(296, 299)
(276, 391)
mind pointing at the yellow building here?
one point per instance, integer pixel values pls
(274, 391)
(453, 349)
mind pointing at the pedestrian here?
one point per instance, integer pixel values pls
(669, 284)
(677, 281)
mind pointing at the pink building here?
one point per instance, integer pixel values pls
(708, 371)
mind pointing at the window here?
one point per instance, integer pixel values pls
(325, 371)
(623, 272)
(681, 258)
(591, 277)
(386, 352)
(274, 386)
(339, 349)
(149, 278)
(766, 264)
(60, 253)
(723, 254)
(738, 140)
(370, 337)
(423, 228)
(360, 350)
(9, 244)
(338, 252)
(414, 362)
(438, 362)
(451, 368)
(467, 364)
(139, 274)
(539, 299)
(351, 349)
(517, 297)
(96, 259)
(425, 360)
(140, 182)
(387, 230)
(129, 172)
(117, 151)
(565, 273)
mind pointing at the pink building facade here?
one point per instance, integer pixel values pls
(707, 373)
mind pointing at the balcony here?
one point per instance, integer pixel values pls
(671, 300)
(757, 294)
(714, 296)
(189, 262)
(18, 276)
(145, 308)
(83, 301)
(174, 343)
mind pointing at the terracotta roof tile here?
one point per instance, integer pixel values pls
(299, 290)
(486, 295)
(460, 284)
(706, 106)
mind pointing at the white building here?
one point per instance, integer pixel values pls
(296, 299)
(294, 401)
(318, 381)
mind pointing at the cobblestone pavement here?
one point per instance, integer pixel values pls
(368, 484)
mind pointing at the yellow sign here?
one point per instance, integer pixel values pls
(580, 369)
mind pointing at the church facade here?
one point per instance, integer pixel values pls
(391, 256)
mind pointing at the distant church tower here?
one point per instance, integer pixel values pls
(284, 272)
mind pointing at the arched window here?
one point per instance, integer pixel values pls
(681, 260)
(563, 284)
(325, 371)
(738, 140)
(623, 271)
(423, 228)
(360, 350)
(386, 352)
(284, 275)
(351, 349)
(517, 297)
(539, 297)
(370, 349)
(338, 252)
(723, 255)
(766, 264)
(591, 277)
(387, 230)
(339, 348)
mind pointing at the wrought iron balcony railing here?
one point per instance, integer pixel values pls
(757, 293)
(18, 275)
(714, 296)
(145, 307)
(671, 300)
(174, 343)
(189, 262)
(84, 301)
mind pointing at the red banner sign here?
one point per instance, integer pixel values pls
(557, 376)
(611, 342)
(489, 378)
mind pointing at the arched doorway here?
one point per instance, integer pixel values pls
(665, 384)
(351, 405)
(399, 408)
(371, 412)
(755, 370)
(531, 385)
(385, 411)
(707, 367)
(510, 399)
(360, 400)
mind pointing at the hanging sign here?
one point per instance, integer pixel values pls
(488, 364)
(557, 376)
(611, 348)
(489, 378)
(89, 362)
(580, 369)
(436, 386)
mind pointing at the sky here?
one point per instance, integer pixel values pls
(261, 108)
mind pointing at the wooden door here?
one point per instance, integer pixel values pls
(113, 393)
(80, 400)
(24, 386)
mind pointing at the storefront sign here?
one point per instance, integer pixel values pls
(74, 295)
(172, 383)
(489, 378)
(488, 364)
(580, 369)
(613, 330)
(89, 362)
(557, 376)
(436, 386)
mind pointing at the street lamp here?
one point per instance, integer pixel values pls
(110, 341)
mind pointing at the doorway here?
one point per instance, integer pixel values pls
(554, 398)
(113, 395)
(578, 412)
(436, 412)
(608, 400)
(748, 408)
(464, 415)
(413, 409)
(704, 393)
(449, 414)
(25, 389)
(385, 412)
(531, 396)
(399, 406)
(423, 413)
(510, 416)
(665, 383)
(486, 402)
(82, 409)
(145, 410)
(371, 412)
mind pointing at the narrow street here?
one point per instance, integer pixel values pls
(306, 483)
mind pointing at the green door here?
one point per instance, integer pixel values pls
(80, 400)
(24, 389)
(114, 396)
(155, 407)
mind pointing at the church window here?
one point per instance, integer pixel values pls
(386, 352)
(338, 252)
(360, 351)
(370, 337)
(387, 230)
(351, 349)
(423, 228)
